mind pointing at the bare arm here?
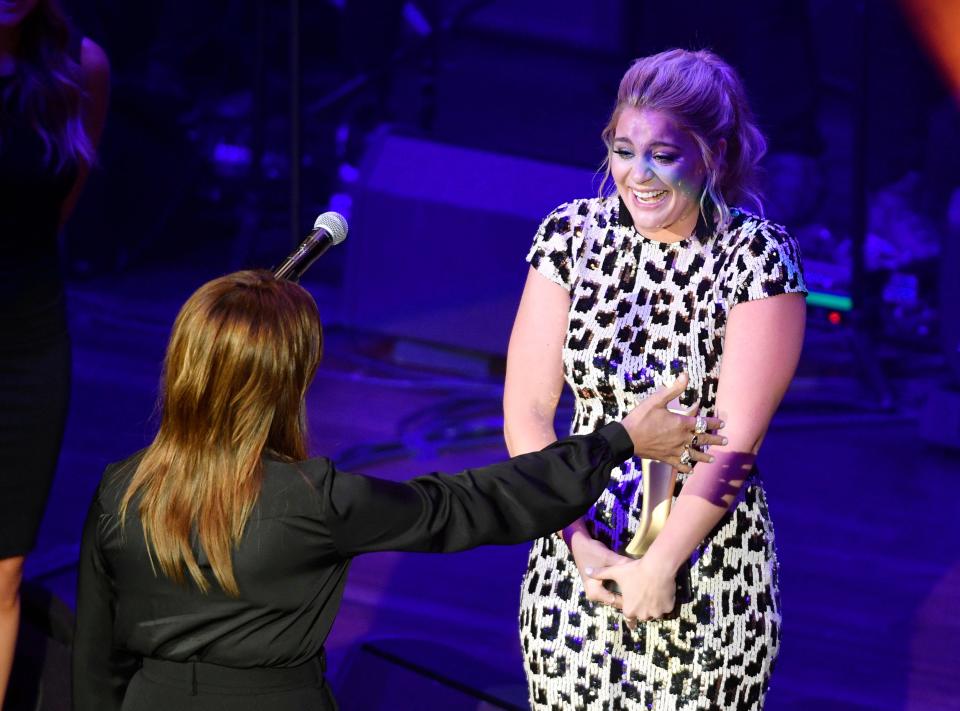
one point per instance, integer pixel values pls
(534, 378)
(761, 350)
(96, 84)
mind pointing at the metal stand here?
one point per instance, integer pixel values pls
(294, 112)
(940, 418)
(865, 302)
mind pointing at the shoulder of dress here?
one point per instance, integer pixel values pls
(587, 216)
(747, 229)
(578, 208)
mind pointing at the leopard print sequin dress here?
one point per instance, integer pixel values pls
(641, 311)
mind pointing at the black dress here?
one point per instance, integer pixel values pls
(34, 346)
(146, 642)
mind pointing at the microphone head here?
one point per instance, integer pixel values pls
(334, 224)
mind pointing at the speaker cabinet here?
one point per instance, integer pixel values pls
(438, 239)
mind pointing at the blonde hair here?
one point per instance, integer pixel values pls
(707, 98)
(243, 350)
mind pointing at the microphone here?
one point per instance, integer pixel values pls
(329, 229)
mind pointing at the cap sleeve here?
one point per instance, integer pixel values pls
(767, 264)
(555, 244)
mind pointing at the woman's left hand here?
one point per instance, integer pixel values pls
(649, 589)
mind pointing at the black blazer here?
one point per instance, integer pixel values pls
(291, 564)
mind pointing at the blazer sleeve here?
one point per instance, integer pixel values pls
(526, 497)
(101, 672)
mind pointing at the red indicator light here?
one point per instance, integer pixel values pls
(835, 318)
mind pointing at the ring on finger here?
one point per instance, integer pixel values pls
(693, 441)
(701, 425)
(685, 456)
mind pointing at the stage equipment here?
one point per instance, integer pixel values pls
(444, 230)
(940, 418)
(329, 229)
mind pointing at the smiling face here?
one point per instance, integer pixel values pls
(659, 173)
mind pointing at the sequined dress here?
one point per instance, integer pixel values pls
(641, 310)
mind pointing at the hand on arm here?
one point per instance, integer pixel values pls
(761, 350)
(533, 385)
(660, 434)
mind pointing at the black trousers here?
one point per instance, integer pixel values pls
(197, 686)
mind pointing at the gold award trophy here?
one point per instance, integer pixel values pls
(659, 483)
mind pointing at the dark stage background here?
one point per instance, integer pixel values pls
(445, 130)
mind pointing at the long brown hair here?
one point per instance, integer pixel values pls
(47, 87)
(242, 353)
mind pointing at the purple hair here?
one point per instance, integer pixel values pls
(707, 98)
(47, 87)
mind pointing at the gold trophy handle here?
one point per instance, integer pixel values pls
(659, 480)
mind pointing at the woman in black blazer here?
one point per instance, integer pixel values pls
(213, 562)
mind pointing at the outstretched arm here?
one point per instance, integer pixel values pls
(525, 497)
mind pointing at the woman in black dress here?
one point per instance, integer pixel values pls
(53, 96)
(213, 562)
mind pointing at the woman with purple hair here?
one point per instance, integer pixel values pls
(53, 100)
(661, 277)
